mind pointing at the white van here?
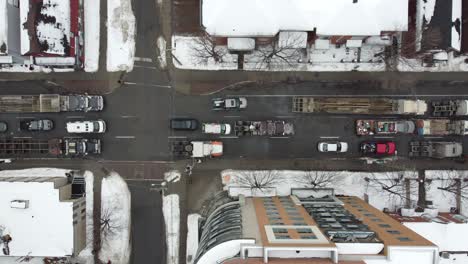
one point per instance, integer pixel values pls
(96, 126)
(213, 128)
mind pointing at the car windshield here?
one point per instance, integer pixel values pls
(325, 147)
(338, 146)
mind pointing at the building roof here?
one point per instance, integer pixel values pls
(44, 228)
(245, 18)
(3, 26)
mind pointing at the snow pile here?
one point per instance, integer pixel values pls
(448, 237)
(92, 34)
(280, 183)
(424, 13)
(54, 36)
(455, 259)
(171, 213)
(192, 237)
(186, 56)
(3, 27)
(444, 200)
(454, 63)
(162, 52)
(35, 172)
(28, 67)
(115, 206)
(456, 24)
(120, 36)
(172, 176)
(86, 255)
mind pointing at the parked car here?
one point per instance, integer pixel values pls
(334, 146)
(215, 128)
(379, 148)
(95, 126)
(3, 127)
(184, 124)
(229, 103)
(36, 125)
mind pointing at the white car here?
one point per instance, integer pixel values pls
(214, 128)
(333, 147)
(95, 126)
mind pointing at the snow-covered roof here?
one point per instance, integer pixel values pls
(329, 17)
(293, 39)
(241, 44)
(44, 228)
(3, 25)
(448, 237)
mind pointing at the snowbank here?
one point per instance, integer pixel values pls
(120, 36)
(172, 176)
(456, 15)
(171, 213)
(92, 34)
(344, 183)
(192, 237)
(162, 51)
(35, 172)
(3, 26)
(115, 204)
(86, 255)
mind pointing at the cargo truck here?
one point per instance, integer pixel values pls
(441, 127)
(449, 108)
(264, 128)
(435, 149)
(69, 147)
(46, 103)
(422, 127)
(379, 127)
(338, 105)
(197, 149)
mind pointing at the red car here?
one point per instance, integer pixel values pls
(379, 148)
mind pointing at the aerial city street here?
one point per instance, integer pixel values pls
(234, 132)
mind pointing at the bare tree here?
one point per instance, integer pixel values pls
(260, 180)
(110, 224)
(205, 49)
(452, 182)
(319, 179)
(279, 53)
(394, 185)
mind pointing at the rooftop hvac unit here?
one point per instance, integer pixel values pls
(19, 204)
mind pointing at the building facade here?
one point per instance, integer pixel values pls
(325, 229)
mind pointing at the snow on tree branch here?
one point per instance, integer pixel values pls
(319, 179)
(260, 180)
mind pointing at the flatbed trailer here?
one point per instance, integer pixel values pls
(435, 149)
(382, 127)
(338, 105)
(50, 103)
(263, 128)
(28, 147)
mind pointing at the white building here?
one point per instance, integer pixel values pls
(41, 217)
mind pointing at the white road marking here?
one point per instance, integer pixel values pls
(128, 116)
(22, 137)
(232, 116)
(25, 117)
(383, 137)
(329, 137)
(148, 84)
(125, 137)
(145, 67)
(143, 59)
(338, 117)
(285, 116)
(280, 137)
(75, 116)
(176, 137)
(228, 137)
(432, 137)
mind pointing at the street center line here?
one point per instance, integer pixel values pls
(148, 84)
(329, 137)
(232, 116)
(285, 116)
(22, 137)
(176, 137)
(433, 137)
(25, 117)
(228, 137)
(280, 137)
(143, 59)
(383, 137)
(125, 137)
(128, 116)
(75, 116)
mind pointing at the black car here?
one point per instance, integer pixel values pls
(184, 124)
(37, 125)
(3, 127)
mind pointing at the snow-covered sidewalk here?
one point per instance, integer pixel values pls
(192, 237)
(115, 211)
(121, 30)
(171, 211)
(86, 255)
(35, 172)
(92, 32)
